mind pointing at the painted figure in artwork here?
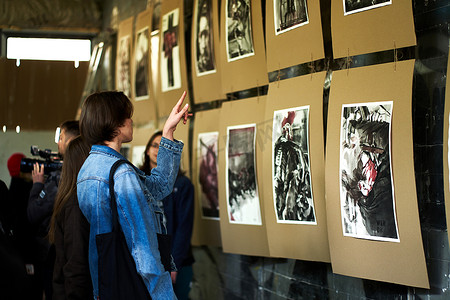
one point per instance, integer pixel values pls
(366, 174)
(291, 176)
(170, 41)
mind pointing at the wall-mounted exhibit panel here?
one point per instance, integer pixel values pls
(172, 58)
(372, 214)
(446, 151)
(123, 58)
(182, 134)
(242, 50)
(293, 167)
(241, 199)
(205, 171)
(360, 27)
(141, 82)
(205, 53)
(293, 34)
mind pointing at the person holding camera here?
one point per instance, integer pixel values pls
(40, 207)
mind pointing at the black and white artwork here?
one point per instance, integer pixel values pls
(123, 66)
(241, 186)
(207, 175)
(355, 6)
(170, 52)
(204, 43)
(239, 29)
(292, 189)
(366, 185)
(289, 14)
(142, 80)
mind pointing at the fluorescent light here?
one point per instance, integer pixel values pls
(4, 128)
(57, 133)
(48, 49)
(18, 129)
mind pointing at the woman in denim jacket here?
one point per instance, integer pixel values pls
(105, 122)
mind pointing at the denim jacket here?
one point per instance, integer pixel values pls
(140, 217)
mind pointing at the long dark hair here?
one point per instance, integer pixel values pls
(145, 167)
(76, 153)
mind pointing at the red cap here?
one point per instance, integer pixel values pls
(14, 164)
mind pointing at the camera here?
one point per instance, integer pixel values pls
(51, 161)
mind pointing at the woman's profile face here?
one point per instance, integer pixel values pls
(152, 151)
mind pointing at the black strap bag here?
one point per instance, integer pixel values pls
(117, 275)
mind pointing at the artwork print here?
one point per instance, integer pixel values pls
(239, 29)
(292, 189)
(289, 14)
(241, 186)
(142, 64)
(366, 185)
(355, 6)
(170, 52)
(204, 46)
(123, 66)
(207, 177)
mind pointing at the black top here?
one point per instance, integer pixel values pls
(71, 277)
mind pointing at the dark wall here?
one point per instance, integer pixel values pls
(39, 95)
(228, 276)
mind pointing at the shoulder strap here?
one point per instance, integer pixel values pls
(114, 216)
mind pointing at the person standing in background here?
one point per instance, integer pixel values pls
(179, 214)
(69, 230)
(40, 207)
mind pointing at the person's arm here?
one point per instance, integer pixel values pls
(77, 279)
(139, 225)
(184, 221)
(40, 202)
(162, 178)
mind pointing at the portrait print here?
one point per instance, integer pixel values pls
(241, 186)
(170, 52)
(207, 175)
(289, 14)
(366, 185)
(292, 190)
(355, 6)
(239, 29)
(141, 81)
(204, 43)
(123, 66)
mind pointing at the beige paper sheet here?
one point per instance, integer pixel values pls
(378, 29)
(296, 46)
(311, 242)
(402, 262)
(123, 72)
(166, 100)
(248, 72)
(446, 141)
(182, 134)
(238, 238)
(144, 109)
(207, 87)
(206, 231)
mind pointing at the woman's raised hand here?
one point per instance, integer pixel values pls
(178, 113)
